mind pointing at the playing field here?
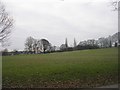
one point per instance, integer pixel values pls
(84, 68)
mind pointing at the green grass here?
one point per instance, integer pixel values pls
(85, 68)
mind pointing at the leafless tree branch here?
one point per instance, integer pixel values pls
(6, 24)
(115, 5)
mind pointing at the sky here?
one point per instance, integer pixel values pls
(56, 20)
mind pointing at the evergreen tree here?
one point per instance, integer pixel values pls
(66, 43)
(75, 44)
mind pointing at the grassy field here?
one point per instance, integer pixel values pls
(84, 69)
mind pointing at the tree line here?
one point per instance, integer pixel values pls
(38, 46)
(102, 42)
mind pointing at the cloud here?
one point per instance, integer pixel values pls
(56, 20)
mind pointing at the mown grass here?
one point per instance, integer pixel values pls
(85, 68)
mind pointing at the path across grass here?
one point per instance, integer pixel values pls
(84, 68)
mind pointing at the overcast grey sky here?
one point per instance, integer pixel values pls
(57, 19)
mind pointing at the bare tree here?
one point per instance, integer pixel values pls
(5, 50)
(35, 44)
(115, 5)
(6, 23)
(29, 44)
